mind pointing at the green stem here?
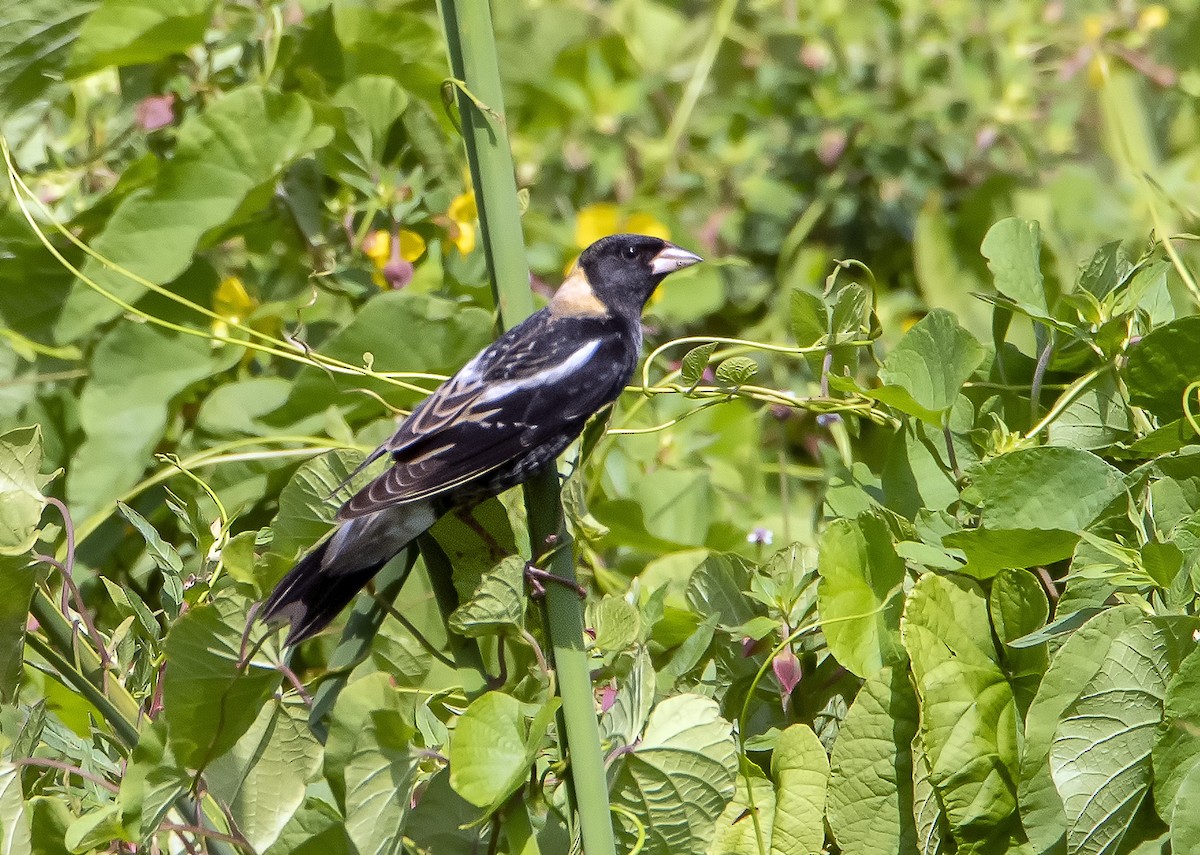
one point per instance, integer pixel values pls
(473, 60)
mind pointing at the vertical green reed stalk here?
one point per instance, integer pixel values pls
(472, 51)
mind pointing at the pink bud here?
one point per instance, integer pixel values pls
(154, 112)
(787, 670)
(608, 697)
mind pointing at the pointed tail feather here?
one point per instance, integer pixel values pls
(325, 580)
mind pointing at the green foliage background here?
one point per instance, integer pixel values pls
(892, 547)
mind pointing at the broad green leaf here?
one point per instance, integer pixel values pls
(924, 373)
(736, 370)
(443, 821)
(1024, 489)
(1161, 366)
(990, 550)
(262, 779)
(35, 41)
(380, 777)
(152, 781)
(615, 622)
(450, 335)
(135, 372)
(136, 32)
(21, 499)
(498, 605)
(801, 771)
(15, 833)
(1177, 748)
(1100, 756)
(17, 580)
(717, 588)
(860, 595)
(1185, 818)
(208, 701)
(969, 722)
(315, 829)
(810, 320)
(377, 102)
(1018, 606)
(694, 362)
(309, 502)
(492, 748)
(97, 828)
(624, 720)
(1013, 249)
(933, 837)
(679, 778)
(1095, 419)
(225, 157)
(871, 776)
(49, 819)
(1072, 667)
(736, 829)
(164, 555)
(351, 714)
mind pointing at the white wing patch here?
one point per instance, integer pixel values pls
(550, 376)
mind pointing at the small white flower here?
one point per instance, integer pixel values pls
(762, 536)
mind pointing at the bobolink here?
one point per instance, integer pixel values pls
(505, 416)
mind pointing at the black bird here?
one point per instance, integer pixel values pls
(505, 416)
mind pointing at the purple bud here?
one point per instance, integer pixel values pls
(787, 670)
(155, 112)
(827, 419)
(608, 697)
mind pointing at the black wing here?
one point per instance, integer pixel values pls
(539, 382)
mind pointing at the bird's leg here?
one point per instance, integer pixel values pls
(537, 577)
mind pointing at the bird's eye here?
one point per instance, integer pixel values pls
(631, 251)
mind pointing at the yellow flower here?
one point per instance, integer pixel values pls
(595, 221)
(463, 214)
(232, 303)
(1153, 17)
(378, 248)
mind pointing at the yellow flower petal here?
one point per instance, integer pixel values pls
(231, 300)
(596, 221)
(646, 224)
(1153, 17)
(464, 238)
(412, 245)
(463, 212)
(378, 246)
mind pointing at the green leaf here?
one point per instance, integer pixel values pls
(933, 835)
(380, 777)
(262, 779)
(990, 550)
(1185, 818)
(377, 102)
(1018, 606)
(97, 828)
(1076, 662)
(736, 370)
(136, 32)
(309, 501)
(351, 714)
(35, 40)
(871, 775)
(1177, 748)
(1161, 365)
(1013, 249)
(1024, 489)
(810, 320)
(694, 363)
(17, 580)
(498, 605)
(1100, 756)
(492, 749)
(1095, 419)
(968, 715)
(624, 720)
(801, 771)
(164, 555)
(924, 373)
(225, 157)
(21, 499)
(153, 780)
(443, 821)
(736, 829)
(135, 372)
(14, 819)
(207, 701)
(615, 621)
(678, 779)
(315, 829)
(860, 595)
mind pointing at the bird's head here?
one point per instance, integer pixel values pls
(617, 274)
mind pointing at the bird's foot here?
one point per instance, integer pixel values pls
(537, 579)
